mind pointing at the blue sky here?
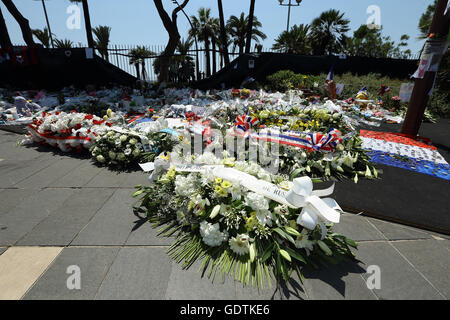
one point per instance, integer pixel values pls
(136, 22)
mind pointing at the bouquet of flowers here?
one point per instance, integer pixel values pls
(123, 147)
(222, 214)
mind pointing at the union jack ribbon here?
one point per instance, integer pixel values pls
(244, 123)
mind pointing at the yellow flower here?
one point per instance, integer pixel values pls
(170, 175)
(229, 162)
(293, 224)
(226, 184)
(221, 191)
(218, 180)
(251, 222)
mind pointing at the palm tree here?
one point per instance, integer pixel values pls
(204, 28)
(22, 21)
(63, 44)
(102, 34)
(43, 36)
(237, 27)
(5, 40)
(295, 40)
(328, 32)
(87, 22)
(137, 58)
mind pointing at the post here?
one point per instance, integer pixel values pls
(250, 26)
(48, 24)
(223, 36)
(289, 15)
(419, 97)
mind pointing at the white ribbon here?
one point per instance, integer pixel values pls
(316, 211)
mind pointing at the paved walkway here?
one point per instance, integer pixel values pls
(59, 211)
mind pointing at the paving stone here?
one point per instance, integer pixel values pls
(23, 218)
(133, 179)
(112, 224)
(190, 285)
(54, 172)
(3, 250)
(107, 179)
(11, 198)
(293, 290)
(137, 273)
(357, 228)
(394, 231)
(337, 282)
(17, 171)
(399, 280)
(62, 226)
(145, 235)
(78, 177)
(431, 258)
(94, 264)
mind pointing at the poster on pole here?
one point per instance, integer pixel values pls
(406, 90)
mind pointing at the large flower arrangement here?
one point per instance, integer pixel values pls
(219, 219)
(66, 131)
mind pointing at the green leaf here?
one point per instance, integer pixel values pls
(267, 253)
(351, 242)
(284, 235)
(324, 247)
(292, 231)
(296, 173)
(252, 252)
(215, 211)
(296, 255)
(285, 255)
(137, 193)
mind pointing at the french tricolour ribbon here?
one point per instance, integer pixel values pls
(310, 141)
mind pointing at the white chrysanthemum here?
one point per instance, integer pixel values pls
(211, 234)
(112, 155)
(184, 185)
(206, 158)
(256, 201)
(240, 244)
(127, 151)
(100, 159)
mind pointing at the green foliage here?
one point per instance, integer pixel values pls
(286, 79)
(328, 32)
(43, 36)
(237, 28)
(63, 44)
(294, 41)
(368, 42)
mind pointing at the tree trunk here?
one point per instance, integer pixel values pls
(22, 21)
(223, 35)
(87, 22)
(5, 40)
(138, 75)
(144, 72)
(250, 26)
(208, 58)
(214, 60)
(171, 27)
